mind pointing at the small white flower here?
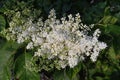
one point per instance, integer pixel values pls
(97, 33)
(72, 61)
(30, 45)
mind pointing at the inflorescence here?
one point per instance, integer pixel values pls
(66, 40)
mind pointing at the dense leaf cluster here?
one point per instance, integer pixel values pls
(105, 14)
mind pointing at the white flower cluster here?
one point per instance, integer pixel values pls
(66, 39)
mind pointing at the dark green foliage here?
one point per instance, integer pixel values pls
(105, 14)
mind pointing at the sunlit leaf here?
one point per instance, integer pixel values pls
(109, 20)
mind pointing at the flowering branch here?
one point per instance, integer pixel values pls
(65, 40)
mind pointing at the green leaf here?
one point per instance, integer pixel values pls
(60, 75)
(116, 44)
(114, 29)
(98, 78)
(2, 9)
(22, 73)
(107, 11)
(2, 22)
(101, 5)
(72, 73)
(109, 20)
(5, 54)
(111, 53)
(113, 20)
